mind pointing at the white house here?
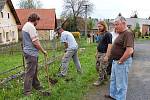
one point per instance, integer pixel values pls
(143, 23)
(8, 23)
(131, 22)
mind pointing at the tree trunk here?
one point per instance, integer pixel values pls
(75, 24)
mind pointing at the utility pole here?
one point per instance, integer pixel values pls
(30, 3)
(85, 20)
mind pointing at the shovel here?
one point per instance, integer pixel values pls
(48, 79)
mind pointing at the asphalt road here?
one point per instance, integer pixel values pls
(139, 77)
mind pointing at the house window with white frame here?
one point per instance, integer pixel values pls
(7, 36)
(8, 15)
(1, 38)
(13, 35)
(2, 15)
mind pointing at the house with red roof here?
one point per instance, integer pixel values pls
(46, 25)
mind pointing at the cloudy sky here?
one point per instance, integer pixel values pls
(105, 8)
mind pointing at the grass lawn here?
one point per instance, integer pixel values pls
(8, 61)
(71, 87)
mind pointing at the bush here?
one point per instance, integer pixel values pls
(76, 34)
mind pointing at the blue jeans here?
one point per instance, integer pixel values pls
(119, 79)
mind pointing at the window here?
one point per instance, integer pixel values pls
(8, 15)
(1, 38)
(2, 14)
(13, 35)
(7, 36)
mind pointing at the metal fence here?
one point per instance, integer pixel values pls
(12, 60)
(12, 63)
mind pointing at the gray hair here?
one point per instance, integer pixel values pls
(120, 18)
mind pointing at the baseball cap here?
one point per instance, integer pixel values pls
(58, 28)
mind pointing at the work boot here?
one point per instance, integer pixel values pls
(60, 75)
(79, 71)
(45, 93)
(97, 83)
(38, 88)
(108, 96)
(27, 93)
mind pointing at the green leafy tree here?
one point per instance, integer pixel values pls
(68, 24)
(136, 30)
(28, 4)
(90, 23)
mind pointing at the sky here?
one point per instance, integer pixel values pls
(108, 9)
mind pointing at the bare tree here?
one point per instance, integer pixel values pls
(30, 4)
(134, 14)
(119, 14)
(76, 8)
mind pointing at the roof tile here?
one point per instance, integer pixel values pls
(47, 18)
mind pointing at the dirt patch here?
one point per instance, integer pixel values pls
(97, 92)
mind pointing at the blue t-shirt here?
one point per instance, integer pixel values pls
(103, 43)
(98, 38)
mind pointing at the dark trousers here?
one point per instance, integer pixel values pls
(31, 78)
